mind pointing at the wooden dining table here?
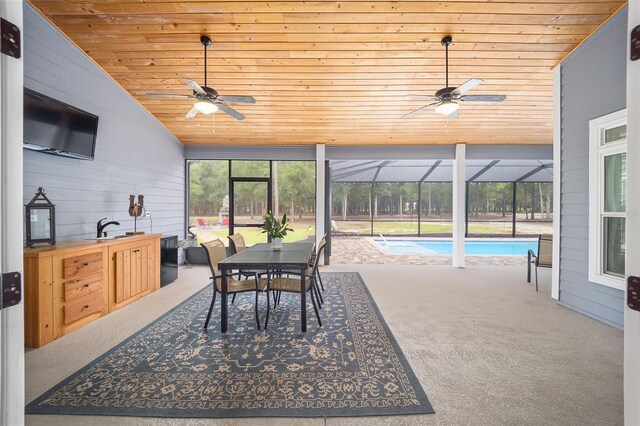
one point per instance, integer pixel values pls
(262, 257)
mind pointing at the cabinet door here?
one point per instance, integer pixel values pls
(138, 270)
(131, 272)
(143, 263)
(122, 272)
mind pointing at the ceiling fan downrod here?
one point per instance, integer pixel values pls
(446, 42)
(206, 41)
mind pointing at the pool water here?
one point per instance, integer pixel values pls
(471, 247)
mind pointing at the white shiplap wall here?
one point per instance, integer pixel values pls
(135, 154)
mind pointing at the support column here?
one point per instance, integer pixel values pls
(371, 205)
(320, 195)
(327, 210)
(513, 210)
(557, 164)
(631, 317)
(419, 204)
(459, 197)
(467, 186)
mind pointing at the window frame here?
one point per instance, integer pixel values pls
(598, 151)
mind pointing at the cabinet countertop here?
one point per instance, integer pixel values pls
(83, 244)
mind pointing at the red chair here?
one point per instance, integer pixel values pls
(202, 223)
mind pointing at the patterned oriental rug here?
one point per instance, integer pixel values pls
(351, 366)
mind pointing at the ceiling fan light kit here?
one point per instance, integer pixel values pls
(445, 99)
(447, 107)
(205, 106)
(207, 99)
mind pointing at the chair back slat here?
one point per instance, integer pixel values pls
(216, 252)
(237, 243)
(545, 250)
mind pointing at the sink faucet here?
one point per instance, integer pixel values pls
(101, 226)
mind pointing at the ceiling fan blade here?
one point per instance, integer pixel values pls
(466, 86)
(232, 112)
(409, 114)
(238, 99)
(168, 95)
(483, 98)
(413, 95)
(191, 113)
(195, 86)
(453, 115)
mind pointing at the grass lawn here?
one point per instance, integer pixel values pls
(254, 235)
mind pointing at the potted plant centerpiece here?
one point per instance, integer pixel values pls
(275, 229)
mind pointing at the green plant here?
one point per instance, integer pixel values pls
(275, 228)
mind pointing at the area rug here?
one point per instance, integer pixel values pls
(351, 366)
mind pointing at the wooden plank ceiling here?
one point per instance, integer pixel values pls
(336, 72)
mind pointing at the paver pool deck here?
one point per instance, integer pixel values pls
(362, 250)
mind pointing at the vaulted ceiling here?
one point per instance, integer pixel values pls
(337, 72)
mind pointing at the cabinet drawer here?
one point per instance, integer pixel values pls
(78, 309)
(80, 287)
(82, 265)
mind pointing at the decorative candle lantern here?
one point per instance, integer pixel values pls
(40, 220)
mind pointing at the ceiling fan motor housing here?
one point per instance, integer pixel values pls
(211, 93)
(445, 92)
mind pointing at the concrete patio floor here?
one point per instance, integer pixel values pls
(486, 347)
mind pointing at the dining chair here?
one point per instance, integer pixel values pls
(291, 284)
(216, 252)
(237, 244)
(323, 242)
(544, 257)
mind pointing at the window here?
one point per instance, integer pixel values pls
(607, 198)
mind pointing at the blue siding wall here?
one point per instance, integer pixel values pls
(135, 154)
(593, 84)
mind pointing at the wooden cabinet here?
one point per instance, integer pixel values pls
(76, 282)
(133, 271)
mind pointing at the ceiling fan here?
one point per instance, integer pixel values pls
(445, 98)
(207, 99)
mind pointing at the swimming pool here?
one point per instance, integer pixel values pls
(471, 247)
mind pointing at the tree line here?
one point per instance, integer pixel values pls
(400, 199)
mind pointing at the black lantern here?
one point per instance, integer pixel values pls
(41, 220)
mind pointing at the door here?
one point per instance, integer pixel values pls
(249, 201)
(632, 317)
(11, 228)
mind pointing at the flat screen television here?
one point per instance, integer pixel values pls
(53, 127)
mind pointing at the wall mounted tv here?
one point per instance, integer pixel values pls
(53, 127)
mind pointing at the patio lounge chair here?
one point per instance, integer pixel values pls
(337, 232)
(543, 259)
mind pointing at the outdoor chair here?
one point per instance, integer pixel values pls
(337, 232)
(216, 252)
(202, 223)
(291, 284)
(323, 242)
(237, 244)
(543, 259)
